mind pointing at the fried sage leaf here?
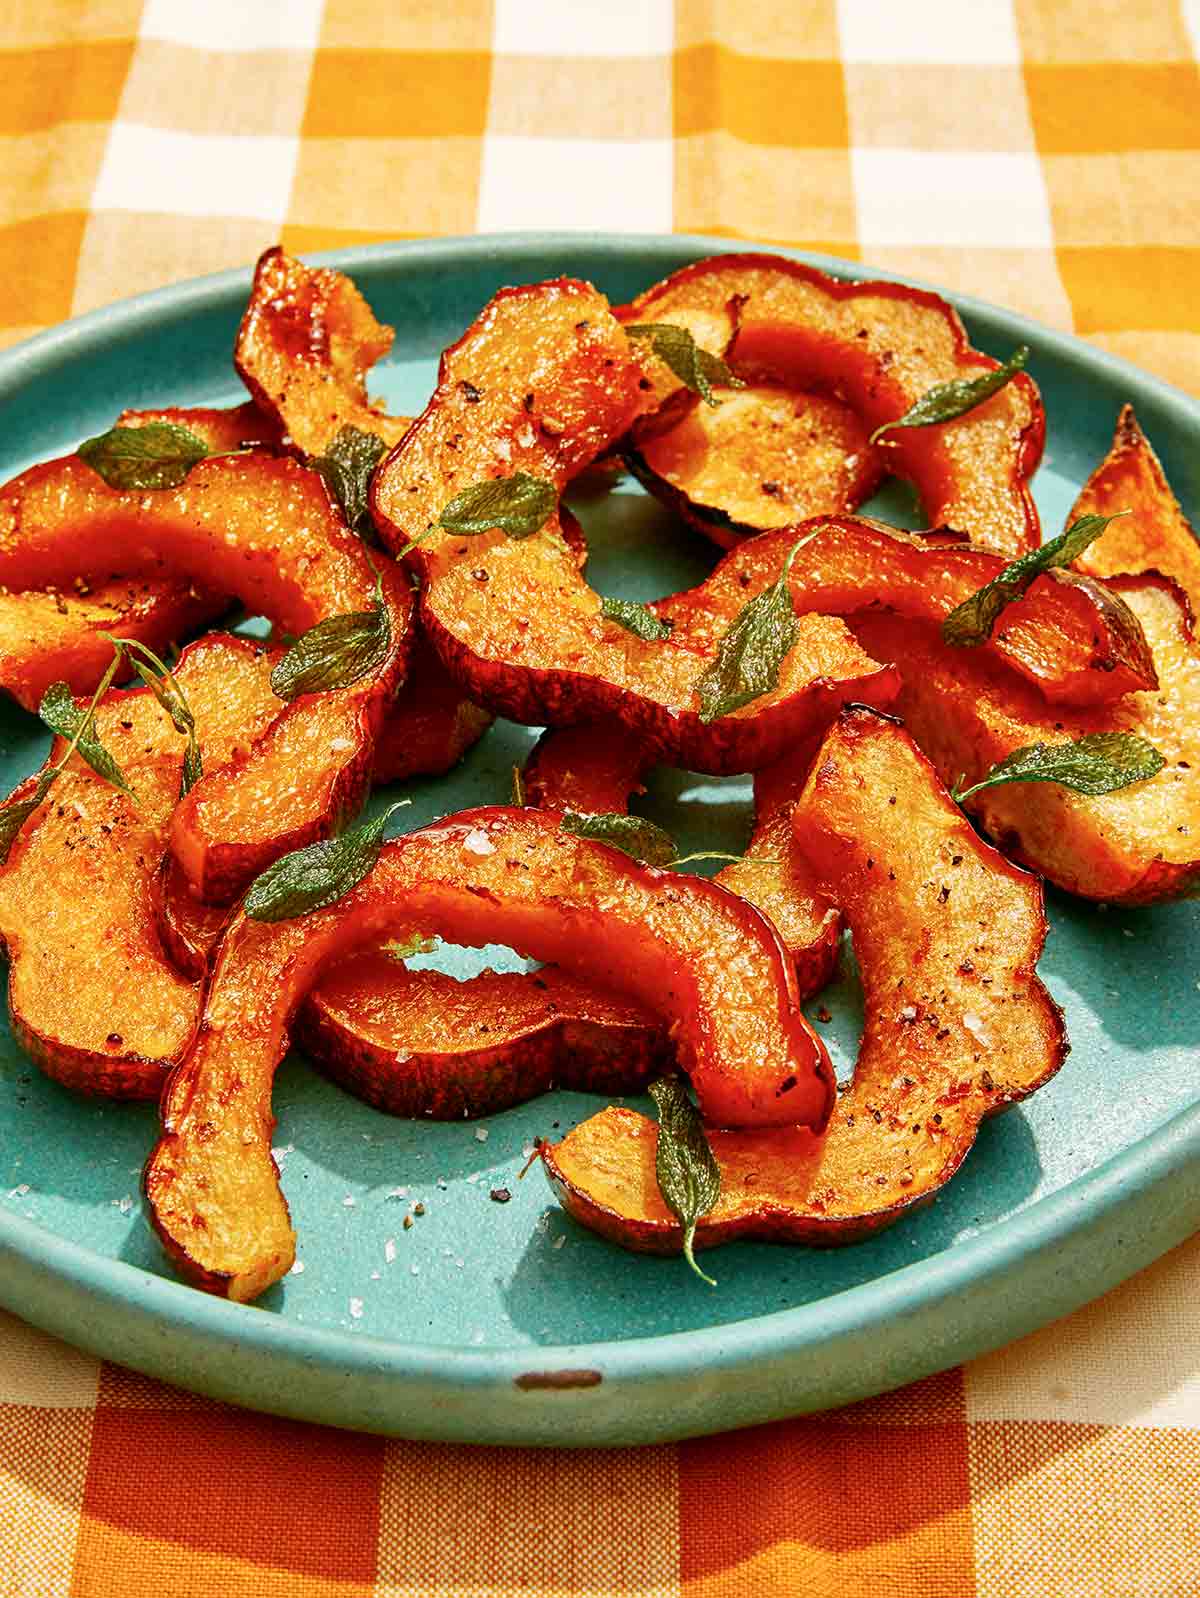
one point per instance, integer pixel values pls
(637, 619)
(946, 401)
(519, 505)
(753, 648)
(334, 653)
(62, 715)
(971, 623)
(312, 878)
(163, 684)
(689, 1177)
(1099, 762)
(14, 816)
(159, 455)
(633, 835)
(696, 369)
(347, 468)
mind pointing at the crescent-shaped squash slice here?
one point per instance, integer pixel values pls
(58, 635)
(541, 383)
(1156, 536)
(426, 731)
(1136, 846)
(420, 1043)
(763, 456)
(94, 999)
(701, 959)
(263, 528)
(306, 342)
(879, 347)
(596, 769)
(1073, 637)
(957, 1024)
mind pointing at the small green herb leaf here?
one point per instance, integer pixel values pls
(945, 401)
(310, 879)
(63, 716)
(753, 647)
(1099, 762)
(519, 505)
(637, 619)
(14, 816)
(695, 368)
(163, 684)
(334, 653)
(347, 468)
(633, 835)
(159, 455)
(689, 1177)
(971, 623)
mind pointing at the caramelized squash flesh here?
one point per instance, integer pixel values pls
(421, 1044)
(1135, 846)
(1073, 637)
(706, 963)
(262, 528)
(94, 998)
(541, 383)
(957, 1024)
(306, 342)
(596, 769)
(1155, 535)
(879, 347)
(764, 456)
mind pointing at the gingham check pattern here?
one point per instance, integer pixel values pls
(1040, 153)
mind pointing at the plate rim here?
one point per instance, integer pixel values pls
(1141, 1172)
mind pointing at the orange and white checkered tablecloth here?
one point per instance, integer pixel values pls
(1038, 153)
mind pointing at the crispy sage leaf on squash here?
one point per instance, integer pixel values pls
(164, 685)
(753, 647)
(689, 1177)
(1099, 762)
(63, 716)
(946, 401)
(335, 653)
(633, 835)
(637, 619)
(971, 623)
(696, 368)
(347, 468)
(13, 817)
(159, 455)
(309, 879)
(519, 505)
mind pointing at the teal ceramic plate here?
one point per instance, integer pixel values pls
(504, 1322)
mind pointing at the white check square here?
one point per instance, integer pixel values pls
(196, 174)
(583, 27)
(607, 184)
(234, 24)
(961, 198)
(929, 32)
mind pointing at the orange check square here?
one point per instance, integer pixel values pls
(395, 94)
